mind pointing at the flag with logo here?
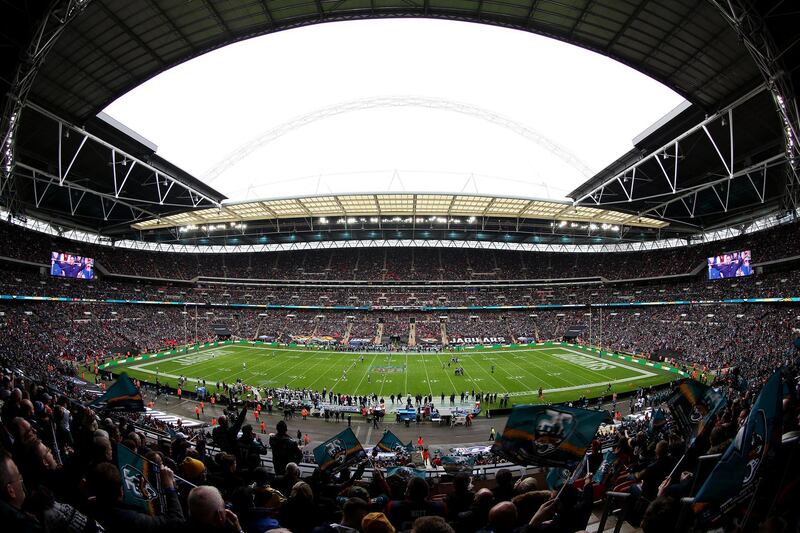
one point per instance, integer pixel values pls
(406, 471)
(547, 435)
(605, 467)
(457, 463)
(556, 477)
(141, 481)
(390, 443)
(339, 452)
(123, 395)
(694, 407)
(734, 477)
(468, 460)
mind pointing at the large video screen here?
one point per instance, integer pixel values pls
(729, 265)
(65, 265)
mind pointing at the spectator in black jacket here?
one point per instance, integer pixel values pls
(504, 490)
(284, 449)
(461, 498)
(225, 436)
(12, 496)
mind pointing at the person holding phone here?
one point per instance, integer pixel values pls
(207, 512)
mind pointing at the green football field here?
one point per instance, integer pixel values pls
(564, 372)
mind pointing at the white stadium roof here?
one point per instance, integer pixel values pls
(412, 205)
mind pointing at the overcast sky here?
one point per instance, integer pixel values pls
(406, 104)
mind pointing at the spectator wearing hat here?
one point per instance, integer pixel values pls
(376, 523)
(193, 471)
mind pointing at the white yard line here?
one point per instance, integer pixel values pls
(611, 362)
(427, 377)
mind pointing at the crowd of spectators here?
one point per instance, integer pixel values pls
(401, 264)
(57, 472)
(703, 335)
(29, 281)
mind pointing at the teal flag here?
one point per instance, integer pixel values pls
(339, 452)
(390, 443)
(123, 395)
(458, 460)
(406, 471)
(547, 435)
(141, 480)
(556, 477)
(733, 479)
(605, 467)
(657, 421)
(694, 407)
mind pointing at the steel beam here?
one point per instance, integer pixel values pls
(594, 194)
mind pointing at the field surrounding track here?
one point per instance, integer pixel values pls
(564, 372)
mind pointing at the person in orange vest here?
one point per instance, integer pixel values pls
(263, 427)
(179, 393)
(214, 399)
(256, 414)
(306, 440)
(213, 421)
(420, 442)
(197, 412)
(202, 407)
(304, 413)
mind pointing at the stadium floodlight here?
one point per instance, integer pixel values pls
(373, 220)
(471, 220)
(323, 220)
(562, 223)
(592, 227)
(615, 228)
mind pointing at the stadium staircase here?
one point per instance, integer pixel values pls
(412, 334)
(379, 333)
(443, 328)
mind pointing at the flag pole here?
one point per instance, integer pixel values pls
(677, 465)
(56, 451)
